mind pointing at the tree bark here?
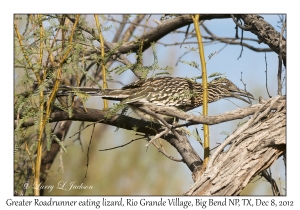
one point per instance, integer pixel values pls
(252, 151)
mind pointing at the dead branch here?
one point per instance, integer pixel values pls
(251, 152)
(266, 33)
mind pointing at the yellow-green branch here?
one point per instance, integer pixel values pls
(25, 54)
(204, 86)
(102, 60)
(48, 110)
(41, 107)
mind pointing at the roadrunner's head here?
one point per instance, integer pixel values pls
(223, 88)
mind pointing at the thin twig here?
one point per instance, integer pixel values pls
(79, 138)
(232, 41)
(101, 150)
(27, 24)
(268, 176)
(61, 164)
(105, 103)
(239, 25)
(169, 156)
(158, 136)
(187, 34)
(148, 111)
(54, 127)
(245, 87)
(267, 75)
(182, 56)
(128, 33)
(242, 37)
(134, 22)
(280, 60)
(215, 147)
(30, 156)
(121, 28)
(199, 140)
(236, 32)
(139, 60)
(86, 127)
(87, 154)
(232, 102)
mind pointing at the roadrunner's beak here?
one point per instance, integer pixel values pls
(239, 94)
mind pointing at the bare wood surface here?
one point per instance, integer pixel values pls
(250, 153)
(266, 33)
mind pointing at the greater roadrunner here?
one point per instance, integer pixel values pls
(182, 93)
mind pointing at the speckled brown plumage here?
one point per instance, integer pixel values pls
(182, 93)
